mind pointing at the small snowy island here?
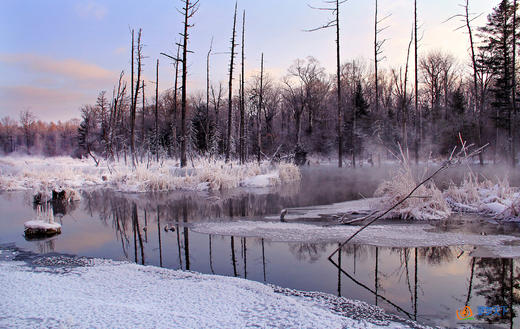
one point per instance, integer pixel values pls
(41, 228)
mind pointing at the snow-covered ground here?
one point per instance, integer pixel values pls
(62, 291)
(17, 173)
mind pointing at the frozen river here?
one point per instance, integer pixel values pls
(424, 283)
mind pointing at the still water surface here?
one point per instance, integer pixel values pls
(427, 284)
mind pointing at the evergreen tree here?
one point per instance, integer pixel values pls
(497, 40)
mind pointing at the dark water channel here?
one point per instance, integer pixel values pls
(427, 284)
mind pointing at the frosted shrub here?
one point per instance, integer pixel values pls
(288, 172)
(467, 193)
(498, 200)
(427, 202)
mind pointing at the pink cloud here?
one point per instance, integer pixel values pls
(46, 103)
(78, 71)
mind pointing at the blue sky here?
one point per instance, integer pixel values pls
(56, 55)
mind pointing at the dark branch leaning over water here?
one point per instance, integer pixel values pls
(453, 160)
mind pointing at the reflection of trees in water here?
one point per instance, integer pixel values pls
(498, 284)
(198, 206)
(117, 210)
(46, 246)
(309, 252)
(436, 255)
(359, 253)
(59, 207)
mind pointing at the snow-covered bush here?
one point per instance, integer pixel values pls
(498, 200)
(426, 203)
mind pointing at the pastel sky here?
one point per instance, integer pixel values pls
(56, 55)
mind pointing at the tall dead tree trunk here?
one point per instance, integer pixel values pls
(242, 96)
(132, 113)
(157, 112)
(478, 100)
(335, 23)
(417, 110)
(207, 93)
(258, 114)
(405, 93)
(142, 122)
(189, 10)
(353, 135)
(338, 73)
(175, 98)
(376, 60)
(230, 91)
(136, 94)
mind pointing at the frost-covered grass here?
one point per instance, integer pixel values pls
(427, 202)
(202, 174)
(482, 195)
(497, 200)
(59, 291)
(475, 194)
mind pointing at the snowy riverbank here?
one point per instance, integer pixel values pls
(61, 291)
(19, 173)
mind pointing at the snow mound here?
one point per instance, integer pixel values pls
(41, 225)
(122, 295)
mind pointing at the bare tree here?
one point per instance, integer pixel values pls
(335, 23)
(136, 94)
(467, 19)
(378, 45)
(242, 97)
(207, 91)
(157, 112)
(230, 91)
(189, 10)
(401, 93)
(436, 69)
(258, 114)
(302, 83)
(115, 110)
(417, 109)
(175, 100)
(217, 101)
(143, 114)
(9, 127)
(27, 120)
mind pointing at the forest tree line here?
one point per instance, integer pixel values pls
(261, 117)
